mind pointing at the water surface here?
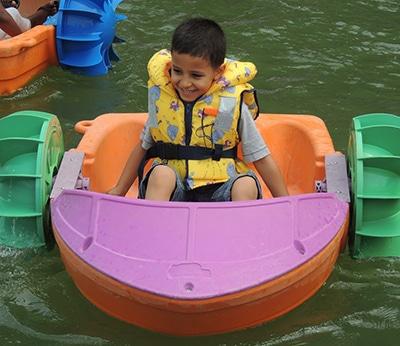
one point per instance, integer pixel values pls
(333, 59)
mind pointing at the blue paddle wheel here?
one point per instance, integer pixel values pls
(85, 33)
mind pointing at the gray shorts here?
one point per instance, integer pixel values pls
(219, 192)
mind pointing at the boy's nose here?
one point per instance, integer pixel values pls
(185, 82)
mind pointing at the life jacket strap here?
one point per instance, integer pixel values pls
(169, 151)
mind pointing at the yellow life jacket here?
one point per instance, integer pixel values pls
(215, 116)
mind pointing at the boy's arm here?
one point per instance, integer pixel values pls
(255, 150)
(40, 16)
(271, 175)
(7, 23)
(129, 174)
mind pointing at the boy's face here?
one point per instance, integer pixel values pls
(192, 76)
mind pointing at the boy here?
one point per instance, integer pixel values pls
(23, 23)
(200, 107)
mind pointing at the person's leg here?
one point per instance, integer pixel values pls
(161, 183)
(179, 192)
(242, 187)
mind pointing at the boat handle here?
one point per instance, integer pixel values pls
(82, 126)
(27, 43)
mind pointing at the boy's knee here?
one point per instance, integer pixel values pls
(162, 175)
(244, 188)
(161, 184)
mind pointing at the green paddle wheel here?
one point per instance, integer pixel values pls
(374, 162)
(31, 148)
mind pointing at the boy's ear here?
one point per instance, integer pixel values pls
(219, 72)
(167, 70)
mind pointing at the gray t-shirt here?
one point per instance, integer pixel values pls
(253, 145)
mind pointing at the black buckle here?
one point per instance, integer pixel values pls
(167, 151)
(217, 153)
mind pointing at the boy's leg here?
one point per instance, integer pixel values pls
(242, 187)
(162, 183)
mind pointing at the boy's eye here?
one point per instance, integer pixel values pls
(197, 75)
(176, 70)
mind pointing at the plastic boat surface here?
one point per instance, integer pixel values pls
(200, 268)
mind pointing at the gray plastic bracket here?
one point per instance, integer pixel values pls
(69, 176)
(336, 176)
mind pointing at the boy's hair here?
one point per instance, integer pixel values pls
(200, 37)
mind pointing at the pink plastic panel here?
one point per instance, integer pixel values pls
(196, 250)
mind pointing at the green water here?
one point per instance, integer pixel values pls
(334, 59)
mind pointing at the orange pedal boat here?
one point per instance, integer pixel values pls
(24, 56)
(198, 268)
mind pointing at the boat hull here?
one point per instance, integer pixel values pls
(150, 293)
(203, 317)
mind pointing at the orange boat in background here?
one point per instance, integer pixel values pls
(24, 56)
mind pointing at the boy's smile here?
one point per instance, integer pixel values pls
(192, 76)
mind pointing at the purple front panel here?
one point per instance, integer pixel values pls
(196, 250)
(120, 229)
(243, 233)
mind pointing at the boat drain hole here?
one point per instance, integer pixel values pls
(189, 286)
(86, 243)
(299, 247)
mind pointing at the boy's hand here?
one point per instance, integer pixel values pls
(51, 8)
